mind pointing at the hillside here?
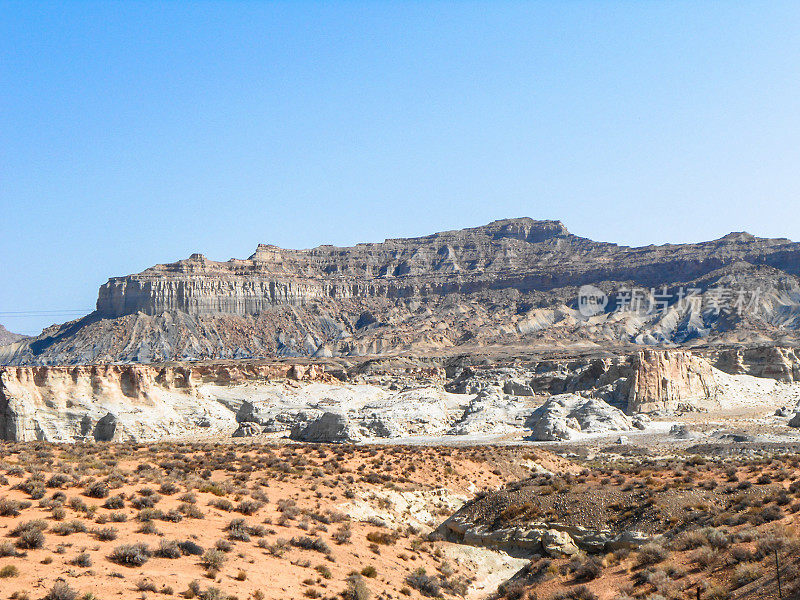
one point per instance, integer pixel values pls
(8, 337)
(514, 282)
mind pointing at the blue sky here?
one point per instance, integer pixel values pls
(133, 133)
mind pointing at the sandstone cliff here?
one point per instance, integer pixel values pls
(507, 284)
(671, 380)
(126, 402)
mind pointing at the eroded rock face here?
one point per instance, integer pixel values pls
(774, 362)
(510, 282)
(330, 427)
(671, 380)
(126, 402)
(566, 416)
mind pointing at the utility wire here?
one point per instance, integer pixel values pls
(44, 313)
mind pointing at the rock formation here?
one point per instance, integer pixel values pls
(127, 402)
(567, 416)
(671, 380)
(492, 412)
(550, 399)
(510, 282)
(329, 427)
(520, 254)
(7, 337)
(642, 381)
(538, 537)
(105, 429)
(775, 362)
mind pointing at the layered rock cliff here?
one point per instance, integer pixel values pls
(671, 380)
(519, 254)
(509, 283)
(554, 398)
(128, 402)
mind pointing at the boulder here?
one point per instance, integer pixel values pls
(628, 540)
(490, 412)
(471, 385)
(330, 427)
(682, 432)
(247, 430)
(105, 428)
(513, 387)
(566, 416)
(795, 420)
(558, 543)
(422, 411)
(248, 413)
(529, 539)
(588, 540)
(284, 421)
(381, 426)
(735, 437)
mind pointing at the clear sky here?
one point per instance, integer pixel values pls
(133, 133)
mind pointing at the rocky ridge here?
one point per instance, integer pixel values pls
(541, 400)
(8, 337)
(510, 283)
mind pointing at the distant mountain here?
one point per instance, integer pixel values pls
(7, 337)
(515, 283)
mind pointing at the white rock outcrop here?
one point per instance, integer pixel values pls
(567, 416)
(491, 413)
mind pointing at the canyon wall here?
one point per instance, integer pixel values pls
(509, 284)
(671, 380)
(127, 402)
(521, 254)
(774, 362)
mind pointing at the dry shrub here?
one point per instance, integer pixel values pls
(130, 555)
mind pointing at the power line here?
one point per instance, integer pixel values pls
(44, 313)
